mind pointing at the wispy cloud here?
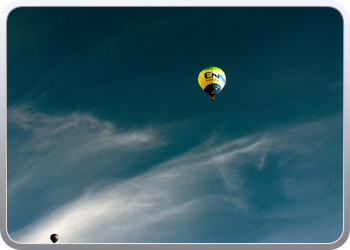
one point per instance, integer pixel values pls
(157, 205)
(174, 190)
(52, 156)
(51, 130)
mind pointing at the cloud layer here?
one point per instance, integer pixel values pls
(261, 179)
(53, 158)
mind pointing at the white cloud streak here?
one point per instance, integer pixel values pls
(53, 145)
(172, 192)
(124, 211)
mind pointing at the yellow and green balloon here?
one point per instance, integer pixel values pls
(212, 80)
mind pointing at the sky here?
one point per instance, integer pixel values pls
(111, 139)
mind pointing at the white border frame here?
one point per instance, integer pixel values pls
(8, 6)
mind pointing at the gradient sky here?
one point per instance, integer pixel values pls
(111, 139)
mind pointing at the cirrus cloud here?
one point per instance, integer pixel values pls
(180, 192)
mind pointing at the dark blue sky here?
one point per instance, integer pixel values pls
(107, 123)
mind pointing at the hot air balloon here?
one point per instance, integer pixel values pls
(54, 238)
(212, 80)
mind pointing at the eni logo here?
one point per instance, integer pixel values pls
(210, 75)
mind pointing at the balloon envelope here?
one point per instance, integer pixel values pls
(54, 238)
(212, 80)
